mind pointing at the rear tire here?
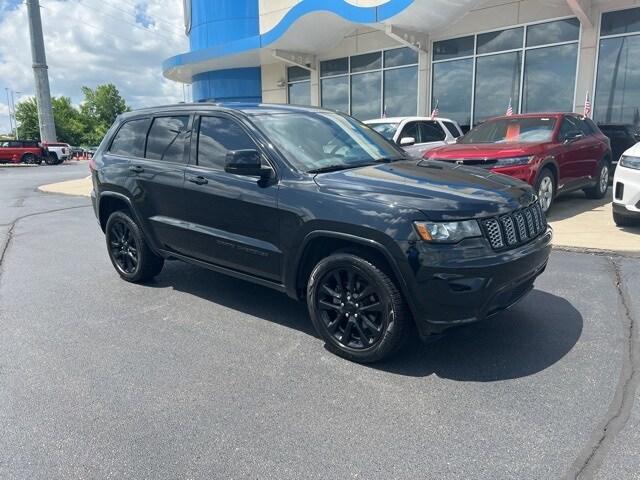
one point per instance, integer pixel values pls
(128, 250)
(29, 159)
(51, 159)
(599, 190)
(546, 189)
(357, 308)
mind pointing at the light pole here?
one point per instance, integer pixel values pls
(15, 119)
(9, 106)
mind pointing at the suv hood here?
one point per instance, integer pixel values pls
(439, 190)
(475, 151)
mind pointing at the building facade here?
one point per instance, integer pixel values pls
(368, 58)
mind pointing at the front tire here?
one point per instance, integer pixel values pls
(546, 189)
(128, 250)
(599, 190)
(29, 158)
(624, 221)
(357, 308)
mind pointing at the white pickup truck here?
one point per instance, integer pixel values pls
(58, 152)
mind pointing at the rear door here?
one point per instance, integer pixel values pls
(233, 220)
(575, 156)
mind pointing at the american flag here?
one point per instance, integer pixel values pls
(509, 109)
(587, 106)
(436, 111)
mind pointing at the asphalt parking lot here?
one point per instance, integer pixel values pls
(196, 375)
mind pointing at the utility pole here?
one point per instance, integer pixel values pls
(15, 120)
(9, 106)
(43, 94)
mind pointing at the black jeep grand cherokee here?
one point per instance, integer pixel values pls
(315, 204)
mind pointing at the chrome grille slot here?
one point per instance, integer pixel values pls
(509, 230)
(493, 231)
(516, 228)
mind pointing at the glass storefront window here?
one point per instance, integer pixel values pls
(509, 39)
(458, 47)
(549, 78)
(299, 86)
(452, 85)
(398, 57)
(372, 89)
(553, 32)
(366, 62)
(620, 21)
(550, 53)
(365, 95)
(617, 98)
(497, 82)
(400, 92)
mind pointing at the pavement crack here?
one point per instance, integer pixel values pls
(5, 245)
(602, 439)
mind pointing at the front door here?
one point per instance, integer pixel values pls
(232, 220)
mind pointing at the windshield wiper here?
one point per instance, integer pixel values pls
(339, 166)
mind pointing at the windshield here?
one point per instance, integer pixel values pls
(387, 130)
(507, 130)
(319, 141)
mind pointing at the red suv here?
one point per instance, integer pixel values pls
(554, 152)
(21, 151)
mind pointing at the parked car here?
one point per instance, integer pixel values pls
(57, 152)
(622, 137)
(417, 135)
(313, 203)
(553, 152)
(626, 188)
(21, 151)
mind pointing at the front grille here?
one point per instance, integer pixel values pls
(516, 228)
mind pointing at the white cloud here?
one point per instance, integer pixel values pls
(89, 42)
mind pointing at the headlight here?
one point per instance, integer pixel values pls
(512, 162)
(630, 162)
(448, 232)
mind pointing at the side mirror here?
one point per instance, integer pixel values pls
(246, 162)
(407, 141)
(572, 137)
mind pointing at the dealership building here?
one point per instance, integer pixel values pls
(368, 58)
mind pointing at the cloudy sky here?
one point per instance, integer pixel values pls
(89, 42)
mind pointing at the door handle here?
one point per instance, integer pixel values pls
(136, 169)
(198, 180)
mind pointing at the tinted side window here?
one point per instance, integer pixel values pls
(410, 130)
(452, 129)
(584, 127)
(167, 139)
(569, 126)
(129, 140)
(216, 137)
(431, 132)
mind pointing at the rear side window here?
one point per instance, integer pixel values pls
(129, 141)
(167, 139)
(216, 137)
(452, 129)
(431, 132)
(569, 127)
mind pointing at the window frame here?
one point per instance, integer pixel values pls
(194, 150)
(523, 49)
(383, 68)
(187, 132)
(295, 82)
(144, 145)
(599, 38)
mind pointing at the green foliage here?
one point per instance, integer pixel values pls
(86, 125)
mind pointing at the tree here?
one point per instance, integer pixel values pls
(84, 126)
(99, 110)
(27, 118)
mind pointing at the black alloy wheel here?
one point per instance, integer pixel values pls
(124, 249)
(128, 250)
(351, 307)
(356, 308)
(29, 158)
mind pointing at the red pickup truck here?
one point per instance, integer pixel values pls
(22, 151)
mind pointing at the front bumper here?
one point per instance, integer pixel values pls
(458, 287)
(626, 192)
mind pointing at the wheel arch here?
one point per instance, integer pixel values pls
(319, 244)
(110, 202)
